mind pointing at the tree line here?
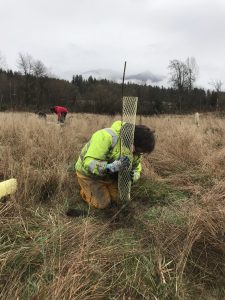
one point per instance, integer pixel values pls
(33, 88)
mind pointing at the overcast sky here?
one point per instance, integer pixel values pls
(73, 37)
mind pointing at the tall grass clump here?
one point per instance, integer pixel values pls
(169, 242)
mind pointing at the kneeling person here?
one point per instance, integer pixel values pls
(99, 163)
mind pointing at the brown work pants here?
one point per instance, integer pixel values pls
(96, 192)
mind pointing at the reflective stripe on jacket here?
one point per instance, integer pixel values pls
(103, 148)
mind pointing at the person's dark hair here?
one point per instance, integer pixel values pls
(52, 109)
(144, 138)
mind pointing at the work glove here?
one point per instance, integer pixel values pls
(118, 165)
(134, 176)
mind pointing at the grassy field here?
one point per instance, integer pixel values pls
(170, 244)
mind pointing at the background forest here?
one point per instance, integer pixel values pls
(33, 88)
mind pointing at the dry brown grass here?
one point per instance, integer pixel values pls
(170, 246)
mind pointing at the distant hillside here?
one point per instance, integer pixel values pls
(140, 78)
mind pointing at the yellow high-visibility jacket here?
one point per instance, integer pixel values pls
(104, 148)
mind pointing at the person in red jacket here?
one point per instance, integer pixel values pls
(61, 113)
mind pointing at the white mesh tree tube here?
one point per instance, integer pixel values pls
(127, 139)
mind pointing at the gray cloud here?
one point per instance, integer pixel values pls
(73, 36)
